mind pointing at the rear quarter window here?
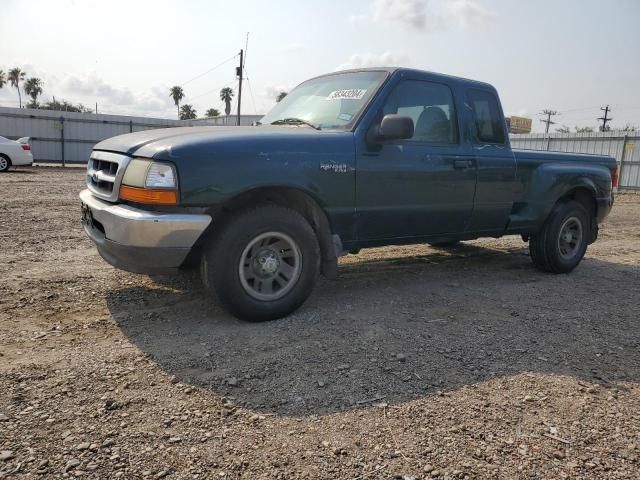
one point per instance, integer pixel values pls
(489, 126)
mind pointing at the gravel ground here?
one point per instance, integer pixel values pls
(415, 363)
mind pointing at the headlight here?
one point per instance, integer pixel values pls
(146, 181)
(160, 175)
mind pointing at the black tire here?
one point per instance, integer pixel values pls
(449, 244)
(225, 276)
(549, 252)
(5, 163)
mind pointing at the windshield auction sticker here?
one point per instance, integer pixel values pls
(351, 94)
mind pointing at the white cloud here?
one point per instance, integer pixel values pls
(425, 15)
(408, 12)
(362, 60)
(466, 13)
(272, 91)
(294, 48)
(359, 19)
(93, 86)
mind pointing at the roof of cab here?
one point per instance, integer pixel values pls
(433, 75)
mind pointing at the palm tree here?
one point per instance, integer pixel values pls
(15, 77)
(3, 79)
(226, 94)
(33, 88)
(187, 112)
(280, 96)
(212, 112)
(177, 94)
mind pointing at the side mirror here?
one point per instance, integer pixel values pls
(394, 127)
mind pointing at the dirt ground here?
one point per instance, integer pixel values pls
(415, 363)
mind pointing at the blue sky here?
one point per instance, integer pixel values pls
(569, 55)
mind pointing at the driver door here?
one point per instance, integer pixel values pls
(422, 186)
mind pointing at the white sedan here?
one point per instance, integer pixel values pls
(14, 153)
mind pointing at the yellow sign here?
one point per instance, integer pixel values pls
(521, 123)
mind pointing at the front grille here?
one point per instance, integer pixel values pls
(104, 173)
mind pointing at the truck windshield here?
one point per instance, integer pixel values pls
(328, 102)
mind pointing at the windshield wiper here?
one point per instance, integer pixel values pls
(295, 121)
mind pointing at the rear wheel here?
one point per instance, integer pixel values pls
(562, 242)
(5, 163)
(263, 263)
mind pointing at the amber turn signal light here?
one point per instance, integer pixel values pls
(148, 195)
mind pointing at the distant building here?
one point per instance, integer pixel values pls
(518, 124)
(231, 120)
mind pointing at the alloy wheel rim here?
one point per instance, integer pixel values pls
(570, 238)
(3, 163)
(270, 266)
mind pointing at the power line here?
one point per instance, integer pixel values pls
(619, 106)
(246, 48)
(210, 70)
(253, 100)
(212, 90)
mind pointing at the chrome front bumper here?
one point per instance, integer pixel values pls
(138, 240)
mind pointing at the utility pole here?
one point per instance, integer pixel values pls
(240, 74)
(549, 114)
(605, 119)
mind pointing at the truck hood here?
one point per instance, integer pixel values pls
(163, 143)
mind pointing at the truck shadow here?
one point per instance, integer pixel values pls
(395, 329)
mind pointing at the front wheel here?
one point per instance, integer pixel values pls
(562, 242)
(263, 263)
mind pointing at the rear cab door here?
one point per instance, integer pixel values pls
(495, 162)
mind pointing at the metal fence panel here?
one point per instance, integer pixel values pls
(623, 146)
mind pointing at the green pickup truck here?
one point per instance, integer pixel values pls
(349, 160)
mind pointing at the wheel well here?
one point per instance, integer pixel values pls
(292, 198)
(585, 197)
(7, 157)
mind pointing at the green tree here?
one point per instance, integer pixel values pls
(563, 129)
(187, 112)
(584, 129)
(65, 106)
(16, 75)
(280, 96)
(177, 94)
(212, 112)
(226, 94)
(33, 88)
(3, 78)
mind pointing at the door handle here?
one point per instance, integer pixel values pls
(462, 164)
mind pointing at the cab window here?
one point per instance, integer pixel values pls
(487, 118)
(430, 106)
